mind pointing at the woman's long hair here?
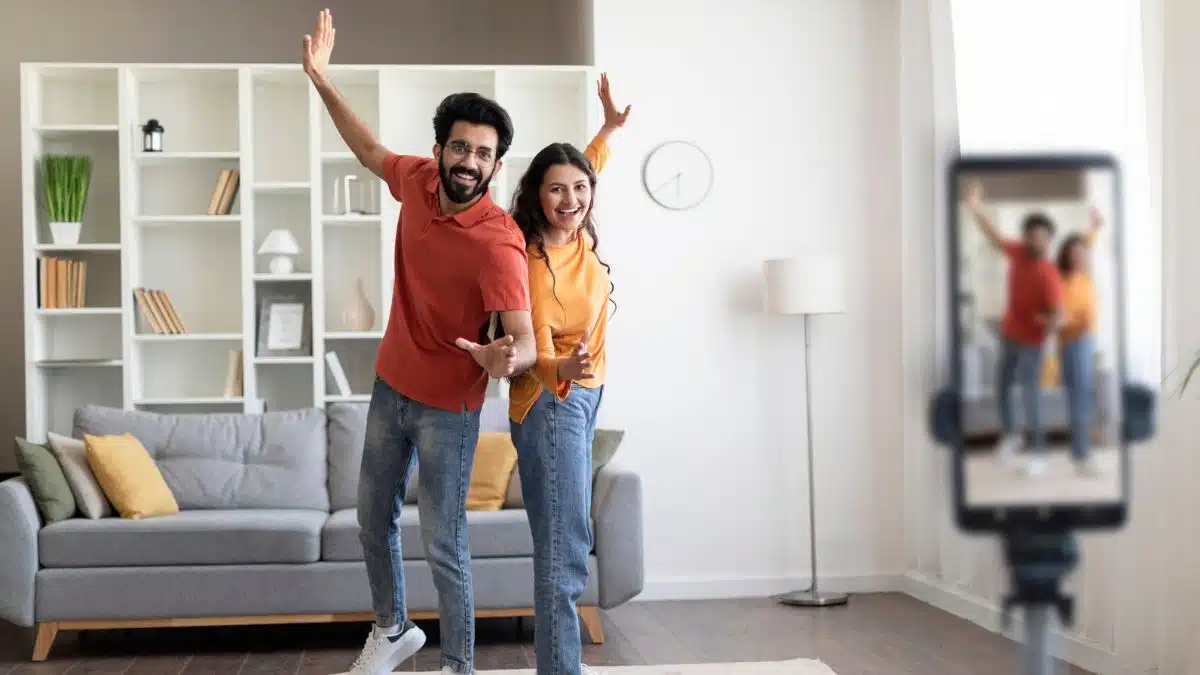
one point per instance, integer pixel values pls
(1065, 266)
(527, 204)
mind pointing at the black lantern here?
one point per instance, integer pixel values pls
(152, 136)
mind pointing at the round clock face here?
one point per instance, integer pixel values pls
(677, 175)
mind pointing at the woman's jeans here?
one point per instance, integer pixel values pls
(554, 458)
(1077, 372)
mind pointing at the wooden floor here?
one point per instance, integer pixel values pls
(886, 634)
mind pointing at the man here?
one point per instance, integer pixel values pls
(1034, 311)
(458, 259)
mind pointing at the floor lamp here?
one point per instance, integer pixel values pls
(807, 285)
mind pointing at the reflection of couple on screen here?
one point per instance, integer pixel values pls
(1045, 298)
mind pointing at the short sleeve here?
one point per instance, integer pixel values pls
(400, 170)
(1013, 248)
(504, 277)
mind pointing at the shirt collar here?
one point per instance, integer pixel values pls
(468, 217)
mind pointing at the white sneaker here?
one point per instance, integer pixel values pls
(588, 670)
(383, 653)
(1036, 466)
(1006, 449)
(1087, 468)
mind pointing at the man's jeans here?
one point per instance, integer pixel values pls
(554, 457)
(1022, 365)
(402, 434)
(1077, 377)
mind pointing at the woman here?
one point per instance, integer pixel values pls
(1075, 337)
(553, 406)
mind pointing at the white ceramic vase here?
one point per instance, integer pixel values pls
(65, 234)
(358, 314)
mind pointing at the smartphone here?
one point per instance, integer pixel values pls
(1036, 284)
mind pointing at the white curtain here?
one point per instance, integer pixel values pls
(1138, 590)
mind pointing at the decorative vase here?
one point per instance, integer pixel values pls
(358, 313)
(65, 234)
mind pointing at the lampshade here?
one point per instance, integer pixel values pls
(280, 242)
(812, 284)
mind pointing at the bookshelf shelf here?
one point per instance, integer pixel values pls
(246, 149)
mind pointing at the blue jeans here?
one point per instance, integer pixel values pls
(1022, 365)
(1077, 378)
(554, 457)
(402, 434)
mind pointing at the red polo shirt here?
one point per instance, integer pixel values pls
(451, 273)
(1034, 287)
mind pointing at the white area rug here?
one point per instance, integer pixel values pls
(793, 667)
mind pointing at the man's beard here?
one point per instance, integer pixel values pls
(460, 194)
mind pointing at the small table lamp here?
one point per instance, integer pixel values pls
(281, 245)
(808, 285)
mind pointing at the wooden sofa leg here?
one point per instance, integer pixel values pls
(46, 632)
(590, 617)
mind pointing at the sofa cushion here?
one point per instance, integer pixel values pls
(273, 460)
(208, 537)
(347, 429)
(129, 476)
(492, 534)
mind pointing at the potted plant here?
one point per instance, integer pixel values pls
(65, 182)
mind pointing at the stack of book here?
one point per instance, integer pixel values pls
(61, 283)
(158, 311)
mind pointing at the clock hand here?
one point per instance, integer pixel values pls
(667, 182)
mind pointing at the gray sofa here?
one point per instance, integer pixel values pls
(267, 533)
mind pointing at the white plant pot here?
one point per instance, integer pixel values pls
(65, 233)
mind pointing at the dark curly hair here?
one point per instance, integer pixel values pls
(527, 204)
(475, 109)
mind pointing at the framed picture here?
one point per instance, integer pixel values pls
(284, 324)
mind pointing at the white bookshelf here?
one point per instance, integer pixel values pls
(146, 225)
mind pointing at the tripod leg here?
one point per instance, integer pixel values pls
(1037, 641)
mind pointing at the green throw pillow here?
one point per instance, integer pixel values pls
(604, 445)
(46, 481)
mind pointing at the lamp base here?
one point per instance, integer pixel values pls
(810, 598)
(281, 264)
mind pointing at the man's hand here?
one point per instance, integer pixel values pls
(573, 367)
(974, 196)
(319, 46)
(613, 118)
(498, 358)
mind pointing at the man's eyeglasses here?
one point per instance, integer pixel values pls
(459, 150)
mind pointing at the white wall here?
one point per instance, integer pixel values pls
(709, 389)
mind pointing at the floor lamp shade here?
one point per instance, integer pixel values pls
(812, 284)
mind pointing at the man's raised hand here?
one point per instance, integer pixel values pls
(574, 366)
(319, 45)
(498, 357)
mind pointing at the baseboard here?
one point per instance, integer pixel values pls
(1069, 648)
(758, 587)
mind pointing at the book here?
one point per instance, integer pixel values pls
(338, 373)
(62, 283)
(159, 312)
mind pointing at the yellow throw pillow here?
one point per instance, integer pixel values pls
(495, 459)
(129, 477)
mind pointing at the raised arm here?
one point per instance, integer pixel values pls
(974, 203)
(1095, 223)
(317, 49)
(597, 151)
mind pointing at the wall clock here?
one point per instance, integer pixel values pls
(677, 175)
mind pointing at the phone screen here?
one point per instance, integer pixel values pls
(1038, 334)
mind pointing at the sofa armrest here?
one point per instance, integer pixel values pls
(617, 512)
(19, 525)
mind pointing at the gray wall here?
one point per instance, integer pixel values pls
(494, 32)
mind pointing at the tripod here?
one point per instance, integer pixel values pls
(1038, 561)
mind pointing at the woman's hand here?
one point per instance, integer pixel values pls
(613, 119)
(574, 366)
